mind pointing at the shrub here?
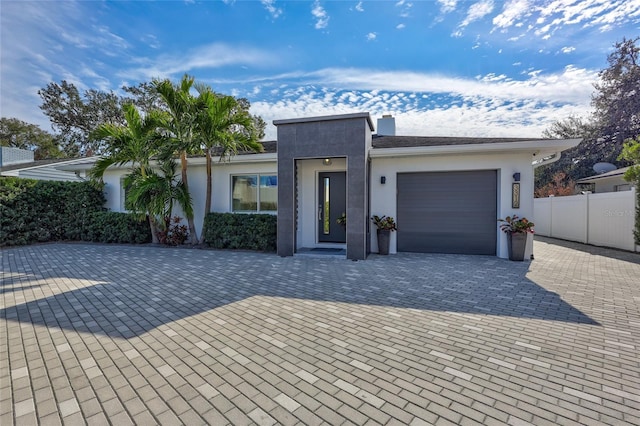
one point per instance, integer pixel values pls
(113, 227)
(241, 231)
(34, 211)
(176, 234)
(38, 211)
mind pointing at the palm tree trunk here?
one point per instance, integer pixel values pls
(154, 231)
(193, 235)
(207, 203)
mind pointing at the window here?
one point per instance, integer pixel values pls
(254, 193)
(622, 187)
(124, 189)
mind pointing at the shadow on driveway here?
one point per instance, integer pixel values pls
(125, 291)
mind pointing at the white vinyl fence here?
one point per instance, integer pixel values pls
(605, 219)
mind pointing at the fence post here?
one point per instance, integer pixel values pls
(586, 231)
(551, 197)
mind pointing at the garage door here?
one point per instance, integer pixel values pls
(448, 212)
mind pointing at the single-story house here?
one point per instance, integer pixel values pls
(20, 163)
(446, 193)
(612, 181)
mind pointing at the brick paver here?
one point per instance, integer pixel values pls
(143, 335)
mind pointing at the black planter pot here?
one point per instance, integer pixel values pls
(517, 242)
(383, 241)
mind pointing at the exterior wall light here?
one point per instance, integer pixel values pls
(383, 180)
(516, 177)
(327, 161)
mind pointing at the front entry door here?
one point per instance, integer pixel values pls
(332, 203)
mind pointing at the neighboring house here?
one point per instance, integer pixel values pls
(612, 181)
(446, 193)
(20, 163)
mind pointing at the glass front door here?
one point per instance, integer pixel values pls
(332, 204)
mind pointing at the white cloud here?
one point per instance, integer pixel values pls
(359, 7)
(488, 105)
(447, 6)
(548, 17)
(400, 26)
(572, 84)
(113, 41)
(462, 116)
(512, 11)
(214, 55)
(38, 46)
(151, 41)
(405, 8)
(270, 5)
(320, 15)
(477, 11)
(371, 36)
(568, 49)
(627, 10)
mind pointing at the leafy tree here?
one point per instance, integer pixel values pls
(75, 116)
(617, 97)
(144, 96)
(559, 186)
(258, 123)
(631, 152)
(136, 143)
(616, 117)
(576, 162)
(571, 127)
(224, 124)
(19, 134)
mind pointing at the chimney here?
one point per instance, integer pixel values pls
(387, 125)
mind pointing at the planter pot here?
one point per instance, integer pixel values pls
(517, 242)
(383, 241)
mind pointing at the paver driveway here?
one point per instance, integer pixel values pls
(147, 335)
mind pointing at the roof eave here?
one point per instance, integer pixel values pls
(195, 161)
(57, 165)
(535, 147)
(364, 115)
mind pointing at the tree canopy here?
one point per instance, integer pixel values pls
(19, 134)
(75, 116)
(615, 118)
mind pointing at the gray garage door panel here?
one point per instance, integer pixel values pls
(448, 212)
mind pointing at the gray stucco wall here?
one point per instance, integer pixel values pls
(346, 136)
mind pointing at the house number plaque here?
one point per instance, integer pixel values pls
(515, 195)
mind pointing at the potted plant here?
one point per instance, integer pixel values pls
(517, 230)
(342, 220)
(385, 225)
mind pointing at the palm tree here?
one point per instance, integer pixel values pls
(135, 143)
(183, 109)
(157, 191)
(222, 125)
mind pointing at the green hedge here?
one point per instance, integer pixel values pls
(34, 211)
(38, 211)
(241, 231)
(113, 227)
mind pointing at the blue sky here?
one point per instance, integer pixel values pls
(441, 67)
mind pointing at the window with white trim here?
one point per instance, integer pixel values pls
(254, 193)
(123, 196)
